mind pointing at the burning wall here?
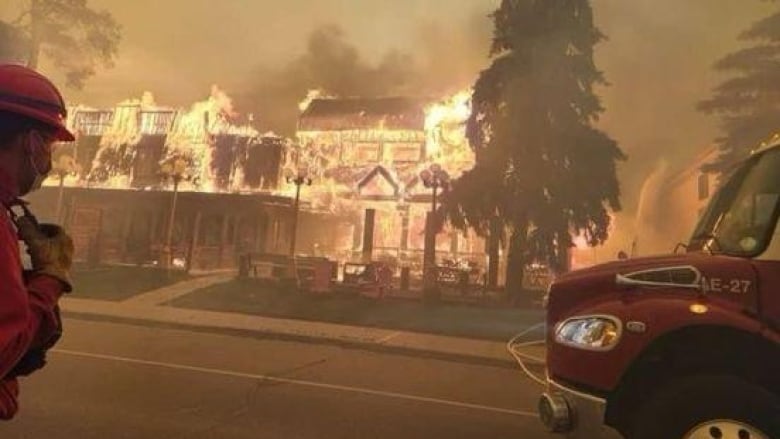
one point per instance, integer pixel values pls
(127, 146)
(218, 160)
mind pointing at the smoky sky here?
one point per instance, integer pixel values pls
(267, 53)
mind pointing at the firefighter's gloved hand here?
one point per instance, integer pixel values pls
(50, 249)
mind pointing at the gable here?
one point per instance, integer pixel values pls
(378, 184)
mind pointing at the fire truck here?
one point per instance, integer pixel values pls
(685, 345)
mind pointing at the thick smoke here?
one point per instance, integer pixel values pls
(334, 65)
(12, 44)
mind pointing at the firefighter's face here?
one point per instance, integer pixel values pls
(36, 148)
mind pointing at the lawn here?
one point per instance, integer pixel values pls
(249, 297)
(120, 282)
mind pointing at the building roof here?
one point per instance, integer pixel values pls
(687, 170)
(363, 113)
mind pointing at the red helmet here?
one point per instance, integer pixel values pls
(28, 93)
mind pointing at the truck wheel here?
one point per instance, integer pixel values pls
(709, 407)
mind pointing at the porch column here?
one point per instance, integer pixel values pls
(194, 240)
(127, 225)
(223, 240)
(260, 230)
(357, 235)
(405, 228)
(368, 235)
(454, 244)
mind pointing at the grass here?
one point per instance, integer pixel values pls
(250, 297)
(120, 282)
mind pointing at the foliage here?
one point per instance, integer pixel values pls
(748, 102)
(542, 169)
(74, 37)
(112, 162)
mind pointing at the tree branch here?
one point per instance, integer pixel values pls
(18, 20)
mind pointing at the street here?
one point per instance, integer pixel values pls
(127, 381)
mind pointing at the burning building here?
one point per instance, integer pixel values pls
(205, 185)
(368, 155)
(141, 178)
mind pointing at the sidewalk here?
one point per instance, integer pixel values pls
(152, 307)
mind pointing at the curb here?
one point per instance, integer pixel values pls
(260, 334)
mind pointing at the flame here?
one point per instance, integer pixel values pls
(190, 136)
(125, 128)
(310, 97)
(445, 133)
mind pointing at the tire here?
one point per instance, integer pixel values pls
(712, 406)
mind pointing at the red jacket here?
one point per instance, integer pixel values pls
(27, 316)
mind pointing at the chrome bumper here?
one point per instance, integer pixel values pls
(574, 414)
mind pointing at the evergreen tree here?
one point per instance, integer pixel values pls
(748, 103)
(542, 170)
(76, 38)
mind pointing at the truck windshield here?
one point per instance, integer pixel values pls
(741, 218)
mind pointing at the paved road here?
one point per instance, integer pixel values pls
(110, 380)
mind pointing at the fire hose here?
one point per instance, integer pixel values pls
(514, 347)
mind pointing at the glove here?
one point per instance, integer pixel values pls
(50, 249)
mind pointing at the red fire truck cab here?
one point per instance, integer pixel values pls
(679, 346)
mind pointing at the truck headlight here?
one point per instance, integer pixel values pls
(597, 333)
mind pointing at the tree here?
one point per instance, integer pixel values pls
(748, 103)
(76, 38)
(542, 170)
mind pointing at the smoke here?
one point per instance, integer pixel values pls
(648, 217)
(334, 65)
(658, 59)
(12, 44)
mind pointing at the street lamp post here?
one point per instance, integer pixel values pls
(434, 178)
(174, 169)
(298, 180)
(63, 167)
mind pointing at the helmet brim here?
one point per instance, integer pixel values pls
(61, 132)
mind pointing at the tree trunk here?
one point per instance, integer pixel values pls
(494, 244)
(36, 16)
(563, 259)
(515, 267)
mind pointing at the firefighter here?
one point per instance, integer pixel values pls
(32, 114)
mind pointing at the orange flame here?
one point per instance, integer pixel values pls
(189, 135)
(445, 131)
(310, 97)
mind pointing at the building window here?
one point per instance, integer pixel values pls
(704, 186)
(403, 152)
(155, 122)
(366, 153)
(93, 123)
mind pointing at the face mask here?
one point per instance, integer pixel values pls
(38, 180)
(38, 153)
